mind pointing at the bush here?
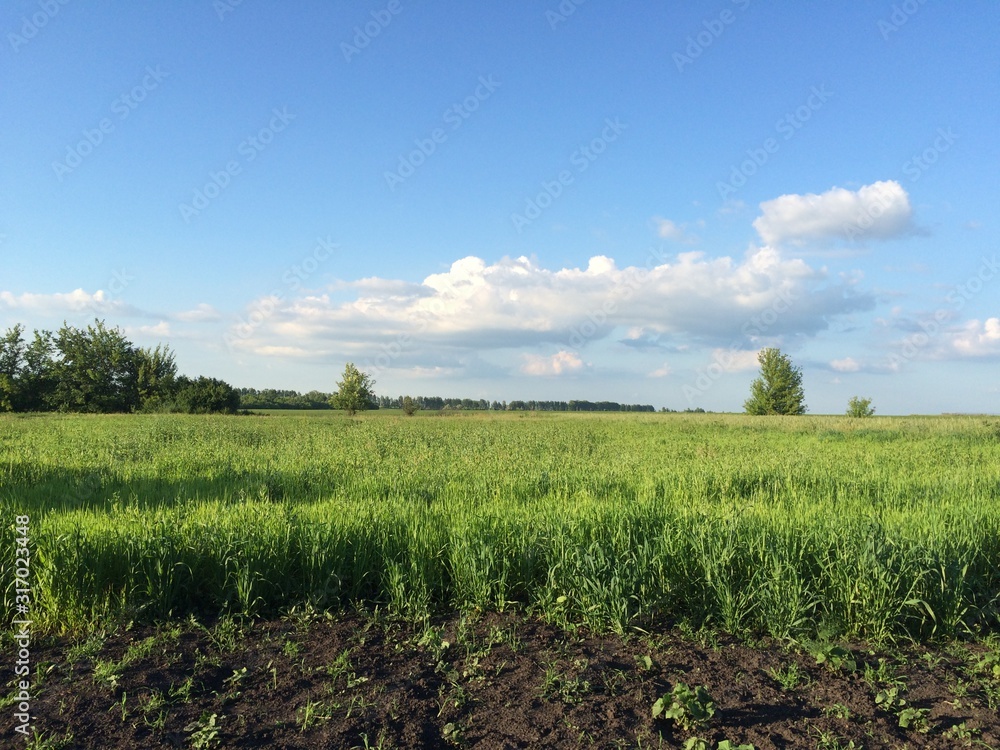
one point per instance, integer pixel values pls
(205, 396)
(860, 407)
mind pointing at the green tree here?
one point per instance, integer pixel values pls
(860, 407)
(36, 385)
(205, 396)
(409, 406)
(156, 371)
(11, 364)
(778, 390)
(354, 391)
(96, 371)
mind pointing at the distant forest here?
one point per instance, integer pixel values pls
(269, 398)
(98, 370)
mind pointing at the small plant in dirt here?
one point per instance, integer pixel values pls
(86, 649)
(837, 711)
(697, 743)
(381, 743)
(204, 732)
(53, 741)
(915, 719)
(687, 708)
(834, 657)
(789, 678)
(961, 733)
(431, 639)
(342, 667)
(908, 716)
(645, 662)
(226, 636)
(890, 699)
(830, 741)
(312, 713)
(183, 693)
(570, 690)
(883, 674)
(120, 705)
(234, 681)
(988, 664)
(452, 733)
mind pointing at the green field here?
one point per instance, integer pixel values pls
(873, 528)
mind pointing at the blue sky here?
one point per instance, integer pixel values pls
(541, 200)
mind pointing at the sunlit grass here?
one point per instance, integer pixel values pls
(870, 528)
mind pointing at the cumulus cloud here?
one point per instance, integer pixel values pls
(514, 302)
(879, 211)
(847, 364)
(977, 338)
(160, 329)
(557, 364)
(736, 360)
(662, 372)
(77, 301)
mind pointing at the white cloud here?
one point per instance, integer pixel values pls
(475, 306)
(557, 364)
(847, 364)
(202, 313)
(669, 230)
(76, 301)
(736, 360)
(280, 351)
(977, 338)
(662, 372)
(880, 210)
(160, 329)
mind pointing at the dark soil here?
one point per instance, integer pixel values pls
(488, 681)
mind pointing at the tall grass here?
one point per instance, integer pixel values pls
(866, 528)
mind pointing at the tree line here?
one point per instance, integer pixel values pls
(271, 398)
(98, 370)
(482, 404)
